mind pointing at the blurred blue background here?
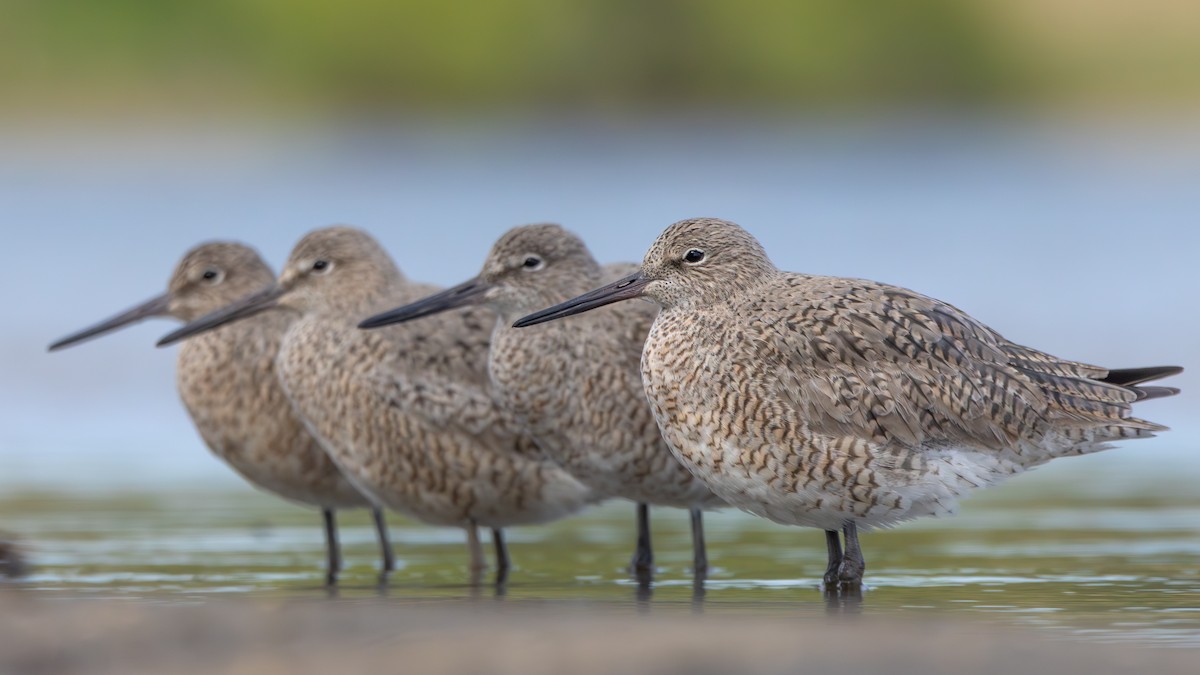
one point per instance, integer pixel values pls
(1036, 164)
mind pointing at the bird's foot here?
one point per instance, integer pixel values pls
(845, 574)
(849, 573)
(831, 577)
(642, 563)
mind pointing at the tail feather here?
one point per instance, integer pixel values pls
(1147, 393)
(1127, 377)
(1084, 388)
(1130, 378)
(1129, 428)
(1089, 406)
(1034, 360)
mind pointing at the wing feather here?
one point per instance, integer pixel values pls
(893, 367)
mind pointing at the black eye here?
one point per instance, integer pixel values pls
(320, 265)
(210, 274)
(213, 275)
(533, 262)
(694, 255)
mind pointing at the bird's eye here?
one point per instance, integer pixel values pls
(213, 275)
(321, 266)
(693, 256)
(533, 263)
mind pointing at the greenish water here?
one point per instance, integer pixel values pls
(1088, 566)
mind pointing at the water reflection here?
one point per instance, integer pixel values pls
(840, 601)
(1138, 585)
(644, 593)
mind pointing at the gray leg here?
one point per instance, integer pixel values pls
(643, 556)
(502, 561)
(834, 546)
(478, 562)
(334, 564)
(385, 544)
(699, 551)
(850, 573)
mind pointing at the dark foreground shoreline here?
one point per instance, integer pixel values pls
(46, 634)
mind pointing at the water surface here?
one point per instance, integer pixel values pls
(1034, 553)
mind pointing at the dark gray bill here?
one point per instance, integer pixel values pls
(621, 289)
(154, 307)
(469, 292)
(241, 309)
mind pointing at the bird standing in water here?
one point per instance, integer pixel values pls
(575, 386)
(405, 412)
(228, 384)
(846, 404)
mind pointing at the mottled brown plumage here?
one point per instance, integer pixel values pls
(575, 385)
(844, 403)
(405, 412)
(228, 384)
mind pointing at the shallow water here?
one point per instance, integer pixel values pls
(1077, 564)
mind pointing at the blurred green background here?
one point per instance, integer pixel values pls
(382, 57)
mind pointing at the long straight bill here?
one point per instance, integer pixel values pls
(241, 309)
(467, 293)
(154, 307)
(625, 288)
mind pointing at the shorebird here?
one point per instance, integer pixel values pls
(575, 386)
(228, 384)
(405, 412)
(846, 404)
